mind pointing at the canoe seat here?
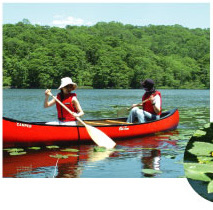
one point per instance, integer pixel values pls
(95, 123)
(118, 122)
(106, 122)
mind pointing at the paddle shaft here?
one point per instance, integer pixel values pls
(148, 99)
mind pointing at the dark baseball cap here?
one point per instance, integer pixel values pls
(148, 83)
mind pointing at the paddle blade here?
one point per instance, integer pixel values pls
(100, 138)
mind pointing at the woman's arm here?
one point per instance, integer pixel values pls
(48, 103)
(78, 107)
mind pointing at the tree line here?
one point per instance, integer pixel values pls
(106, 55)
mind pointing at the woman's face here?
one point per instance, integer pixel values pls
(146, 89)
(67, 89)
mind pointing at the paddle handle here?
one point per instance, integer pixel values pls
(77, 118)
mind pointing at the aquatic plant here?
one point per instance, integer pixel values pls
(198, 156)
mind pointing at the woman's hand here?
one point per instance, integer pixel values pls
(134, 105)
(152, 99)
(46, 102)
(47, 92)
(75, 114)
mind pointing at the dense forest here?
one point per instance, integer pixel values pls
(106, 55)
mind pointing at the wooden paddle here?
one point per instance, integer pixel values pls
(100, 138)
(125, 111)
(148, 99)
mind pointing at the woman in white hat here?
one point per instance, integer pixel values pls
(68, 99)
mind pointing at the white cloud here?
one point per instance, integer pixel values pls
(57, 16)
(70, 21)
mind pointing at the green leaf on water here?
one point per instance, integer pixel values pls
(170, 156)
(118, 150)
(17, 153)
(99, 149)
(151, 171)
(198, 171)
(201, 148)
(203, 159)
(11, 150)
(207, 125)
(192, 174)
(72, 155)
(199, 133)
(59, 156)
(210, 187)
(52, 147)
(34, 148)
(204, 168)
(69, 150)
(183, 143)
(173, 137)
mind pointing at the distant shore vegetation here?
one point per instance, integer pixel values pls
(106, 55)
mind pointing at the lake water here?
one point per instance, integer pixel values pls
(162, 152)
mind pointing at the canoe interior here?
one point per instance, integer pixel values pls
(102, 122)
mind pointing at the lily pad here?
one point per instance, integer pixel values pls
(198, 171)
(151, 171)
(201, 148)
(204, 168)
(69, 150)
(17, 153)
(207, 125)
(210, 187)
(170, 156)
(199, 133)
(118, 150)
(173, 137)
(72, 155)
(34, 148)
(204, 159)
(99, 149)
(52, 147)
(59, 156)
(192, 174)
(183, 143)
(11, 150)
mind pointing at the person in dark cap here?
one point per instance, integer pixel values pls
(151, 104)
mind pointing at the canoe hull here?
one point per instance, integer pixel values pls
(15, 132)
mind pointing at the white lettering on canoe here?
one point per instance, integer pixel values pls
(123, 128)
(24, 125)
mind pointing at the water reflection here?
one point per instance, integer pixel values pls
(60, 163)
(151, 160)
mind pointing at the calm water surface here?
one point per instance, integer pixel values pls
(161, 152)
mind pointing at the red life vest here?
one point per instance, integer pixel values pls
(63, 114)
(147, 106)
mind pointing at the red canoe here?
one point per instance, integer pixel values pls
(19, 132)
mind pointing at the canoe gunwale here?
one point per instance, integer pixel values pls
(165, 114)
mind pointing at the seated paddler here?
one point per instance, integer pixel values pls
(150, 107)
(69, 99)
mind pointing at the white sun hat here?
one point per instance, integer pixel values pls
(67, 81)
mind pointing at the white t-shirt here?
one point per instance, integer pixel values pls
(157, 101)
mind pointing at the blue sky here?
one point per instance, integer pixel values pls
(191, 15)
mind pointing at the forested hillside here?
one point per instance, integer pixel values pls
(106, 55)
